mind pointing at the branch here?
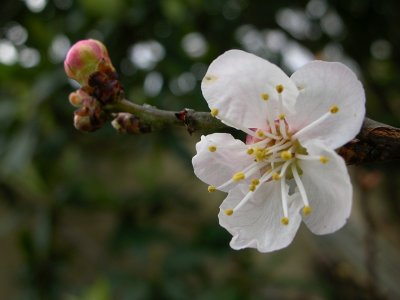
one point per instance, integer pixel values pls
(376, 142)
(154, 119)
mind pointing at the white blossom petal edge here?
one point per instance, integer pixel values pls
(293, 126)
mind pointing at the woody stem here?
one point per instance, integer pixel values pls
(376, 142)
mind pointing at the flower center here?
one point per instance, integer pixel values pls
(276, 160)
(276, 152)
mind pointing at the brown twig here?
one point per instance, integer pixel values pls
(376, 142)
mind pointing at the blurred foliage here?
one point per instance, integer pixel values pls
(106, 216)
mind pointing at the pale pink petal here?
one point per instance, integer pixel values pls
(236, 83)
(328, 188)
(257, 224)
(323, 85)
(216, 168)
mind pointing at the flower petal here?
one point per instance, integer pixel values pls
(258, 223)
(323, 85)
(229, 157)
(328, 188)
(236, 84)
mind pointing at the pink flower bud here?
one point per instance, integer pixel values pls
(85, 58)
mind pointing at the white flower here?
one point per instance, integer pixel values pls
(287, 170)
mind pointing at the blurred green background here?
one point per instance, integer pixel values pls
(108, 216)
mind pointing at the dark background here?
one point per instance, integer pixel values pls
(108, 216)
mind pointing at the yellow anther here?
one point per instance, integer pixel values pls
(238, 176)
(323, 159)
(286, 155)
(210, 78)
(255, 181)
(252, 188)
(279, 88)
(260, 154)
(212, 148)
(306, 210)
(264, 96)
(334, 109)
(229, 212)
(281, 117)
(214, 112)
(276, 176)
(250, 151)
(285, 221)
(260, 134)
(211, 189)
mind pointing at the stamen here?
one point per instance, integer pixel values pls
(211, 189)
(244, 200)
(269, 174)
(270, 117)
(248, 171)
(281, 117)
(250, 151)
(212, 148)
(264, 96)
(300, 186)
(284, 201)
(238, 176)
(313, 124)
(229, 212)
(210, 78)
(260, 154)
(262, 134)
(252, 187)
(279, 146)
(255, 181)
(276, 176)
(271, 122)
(306, 210)
(284, 167)
(274, 159)
(247, 130)
(334, 109)
(286, 155)
(323, 159)
(282, 128)
(214, 112)
(285, 221)
(279, 88)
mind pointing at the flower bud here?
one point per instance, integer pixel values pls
(126, 123)
(83, 123)
(78, 97)
(85, 58)
(130, 124)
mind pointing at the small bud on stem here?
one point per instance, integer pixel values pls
(90, 116)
